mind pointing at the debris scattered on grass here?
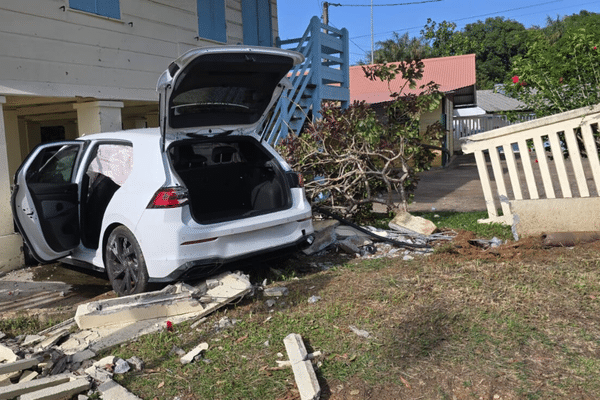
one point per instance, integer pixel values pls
(360, 332)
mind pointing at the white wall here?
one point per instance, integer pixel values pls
(48, 49)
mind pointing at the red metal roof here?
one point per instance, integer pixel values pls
(450, 73)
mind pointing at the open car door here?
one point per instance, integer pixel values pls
(45, 200)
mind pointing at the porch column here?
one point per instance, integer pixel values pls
(99, 116)
(11, 256)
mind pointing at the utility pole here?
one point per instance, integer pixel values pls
(326, 13)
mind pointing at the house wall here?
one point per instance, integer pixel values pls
(49, 49)
(64, 67)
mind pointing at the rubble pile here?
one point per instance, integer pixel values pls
(59, 362)
(371, 242)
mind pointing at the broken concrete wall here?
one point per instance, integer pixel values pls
(536, 217)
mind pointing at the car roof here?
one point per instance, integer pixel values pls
(132, 135)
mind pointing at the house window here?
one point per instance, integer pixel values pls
(211, 20)
(256, 16)
(107, 8)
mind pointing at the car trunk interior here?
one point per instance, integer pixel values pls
(229, 179)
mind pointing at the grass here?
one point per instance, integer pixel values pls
(440, 326)
(516, 322)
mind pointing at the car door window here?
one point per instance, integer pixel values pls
(54, 165)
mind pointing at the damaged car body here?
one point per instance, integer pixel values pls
(175, 202)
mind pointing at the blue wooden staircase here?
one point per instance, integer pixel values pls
(323, 76)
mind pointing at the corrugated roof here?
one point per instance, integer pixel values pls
(494, 102)
(450, 73)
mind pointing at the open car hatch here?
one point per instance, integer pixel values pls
(215, 90)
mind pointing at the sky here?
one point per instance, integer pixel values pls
(388, 17)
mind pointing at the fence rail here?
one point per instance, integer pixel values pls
(531, 156)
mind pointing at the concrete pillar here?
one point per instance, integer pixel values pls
(11, 256)
(34, 134)
(134, 123)
(99, 116)
(71, 132)
(152, 120)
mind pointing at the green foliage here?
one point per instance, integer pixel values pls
(352, 158)
(399, 48)
(561, 69)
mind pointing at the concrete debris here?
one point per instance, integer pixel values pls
(121, 366)
(406, 223)
(304, 373)
(323, 239)
(314, 299)
(225, 323)
(276, 291)
(485, 243)
(111, 390)
(62, 391)
(189, 357)
(360, 332)
(57, 363)
(164, 303)
(6, 354)
(18, 389)
(355, 242)
(270, 303)
(569, 239)
(137, 363)
(287, 363)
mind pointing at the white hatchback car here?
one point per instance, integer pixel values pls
(175, 202)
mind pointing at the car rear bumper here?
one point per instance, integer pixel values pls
(205, 267)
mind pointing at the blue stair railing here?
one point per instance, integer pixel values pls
(323, 76)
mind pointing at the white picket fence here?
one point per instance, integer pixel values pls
(531, 157)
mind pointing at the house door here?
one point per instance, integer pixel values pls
(256, 15)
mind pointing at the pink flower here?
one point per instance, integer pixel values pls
(515, 79)
(169, 326)
(595, 48)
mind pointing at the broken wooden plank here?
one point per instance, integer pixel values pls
(304, 373)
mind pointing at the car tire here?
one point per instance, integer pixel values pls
(125, 264)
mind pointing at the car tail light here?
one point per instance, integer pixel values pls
(169, 197)
(295, 179)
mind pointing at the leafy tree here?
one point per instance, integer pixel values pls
(444, 39)
(399, 48)
(495, 42)
(561, 69)
(352, 158)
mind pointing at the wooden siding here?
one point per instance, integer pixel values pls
(45, 44)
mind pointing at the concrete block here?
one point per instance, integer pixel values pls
(348, 247)
(83, 355)
(31, 340)
(153, 305)
(62, 391)
(407, 223)
(323, 239)
(111, 390)
(277, 291)
(28, 376)
(20, 365)
(304, 373)
(99, 374)
(189, 357)
(6, 354)
(535, 217)
(12, 391)
(52, 340)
